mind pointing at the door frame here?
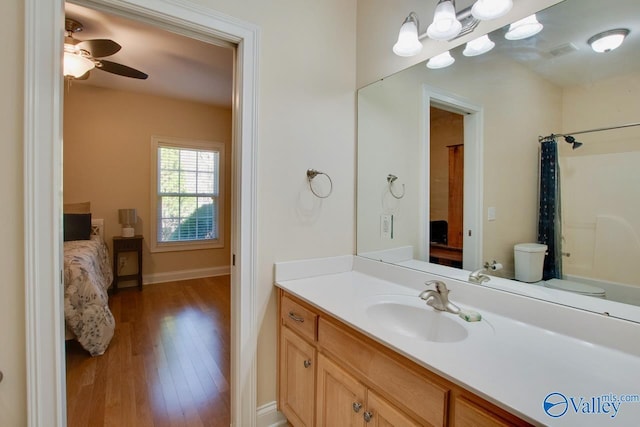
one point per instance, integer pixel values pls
(473, 172)
(42, 174)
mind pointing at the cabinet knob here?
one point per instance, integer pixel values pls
(368, 415)
(307, 363)
(356, 407)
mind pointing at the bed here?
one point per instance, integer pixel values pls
(87, 276)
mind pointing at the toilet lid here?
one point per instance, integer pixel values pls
(579, 288)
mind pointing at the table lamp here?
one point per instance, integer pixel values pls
(128, 218)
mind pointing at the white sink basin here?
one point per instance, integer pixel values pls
(413, 318)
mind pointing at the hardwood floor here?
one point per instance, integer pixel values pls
(167, 364)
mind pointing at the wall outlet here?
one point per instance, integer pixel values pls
(386, 226)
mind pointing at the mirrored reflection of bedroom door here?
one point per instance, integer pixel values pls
(446, 193)
(452, 206)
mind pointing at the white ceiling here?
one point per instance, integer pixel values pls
(178, 66)
(574, 22)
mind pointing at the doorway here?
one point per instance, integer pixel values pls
(446, 189)
(43, 205)
(464, 159)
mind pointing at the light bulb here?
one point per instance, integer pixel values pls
(408, 43)
(478, 46)
(441, 61)
(445, 25)
(490, 9)
(524, 28)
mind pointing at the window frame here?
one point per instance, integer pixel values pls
(184, 143)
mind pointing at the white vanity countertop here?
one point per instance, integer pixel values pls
(514, 360)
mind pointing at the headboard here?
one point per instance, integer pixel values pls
(97, 228)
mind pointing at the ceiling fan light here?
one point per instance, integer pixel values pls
(482, 44)
(76, 65)
(445, 25)
(490, 9)
(608, 40)
(408, 43)
(441, 61)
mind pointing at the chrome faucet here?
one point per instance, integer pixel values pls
(439, 298)
(478, 277)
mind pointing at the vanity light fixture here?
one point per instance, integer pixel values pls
(408, 43)
(441, 61)
(447, 24)
(482, 44)
(524, 28)
(608, 40)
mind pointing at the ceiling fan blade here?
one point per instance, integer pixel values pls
(122, 70)
(99, 47)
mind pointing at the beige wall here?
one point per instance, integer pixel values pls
(600, 191)
(510, 150)
(107, 143)
(306, 119)
(12, 314)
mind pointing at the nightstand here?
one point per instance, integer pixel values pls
(127, 244)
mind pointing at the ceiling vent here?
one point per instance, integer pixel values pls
(562, 50)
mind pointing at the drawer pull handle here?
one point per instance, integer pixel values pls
(295, 317)
(356, 407)
(368, 415)
(307, 363)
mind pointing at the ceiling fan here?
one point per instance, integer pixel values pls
(82, 56)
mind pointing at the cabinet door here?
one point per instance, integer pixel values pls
(297, 379)
(383, 414)
(340, 396)
(468, 414)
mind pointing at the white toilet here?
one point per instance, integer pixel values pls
(575, 287)
(529, 261)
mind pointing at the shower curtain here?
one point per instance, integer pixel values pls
(549, 225)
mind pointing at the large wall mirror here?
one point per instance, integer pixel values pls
(448, 159)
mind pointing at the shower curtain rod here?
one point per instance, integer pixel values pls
(628, 125)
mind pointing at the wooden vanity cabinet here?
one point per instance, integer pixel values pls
(332, 375)
(297, 363)
(342, 400)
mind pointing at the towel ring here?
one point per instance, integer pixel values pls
(311, 174)
(390, 179)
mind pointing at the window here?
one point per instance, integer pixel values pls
(188, 205)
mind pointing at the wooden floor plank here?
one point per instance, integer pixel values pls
(167, 364)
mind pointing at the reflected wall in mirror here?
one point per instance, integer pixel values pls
(551, 83)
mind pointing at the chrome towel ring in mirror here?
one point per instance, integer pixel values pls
(311, 174)
(390, 179)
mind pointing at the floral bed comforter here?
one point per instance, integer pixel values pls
(87, 275)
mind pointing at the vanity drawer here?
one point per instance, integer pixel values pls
(424, 399)
(299, 318)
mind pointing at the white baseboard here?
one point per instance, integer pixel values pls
(171, 276)
(268, 416)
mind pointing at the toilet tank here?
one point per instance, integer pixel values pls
(529, 261)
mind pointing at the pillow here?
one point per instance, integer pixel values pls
(84, 207)
(77, 226)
